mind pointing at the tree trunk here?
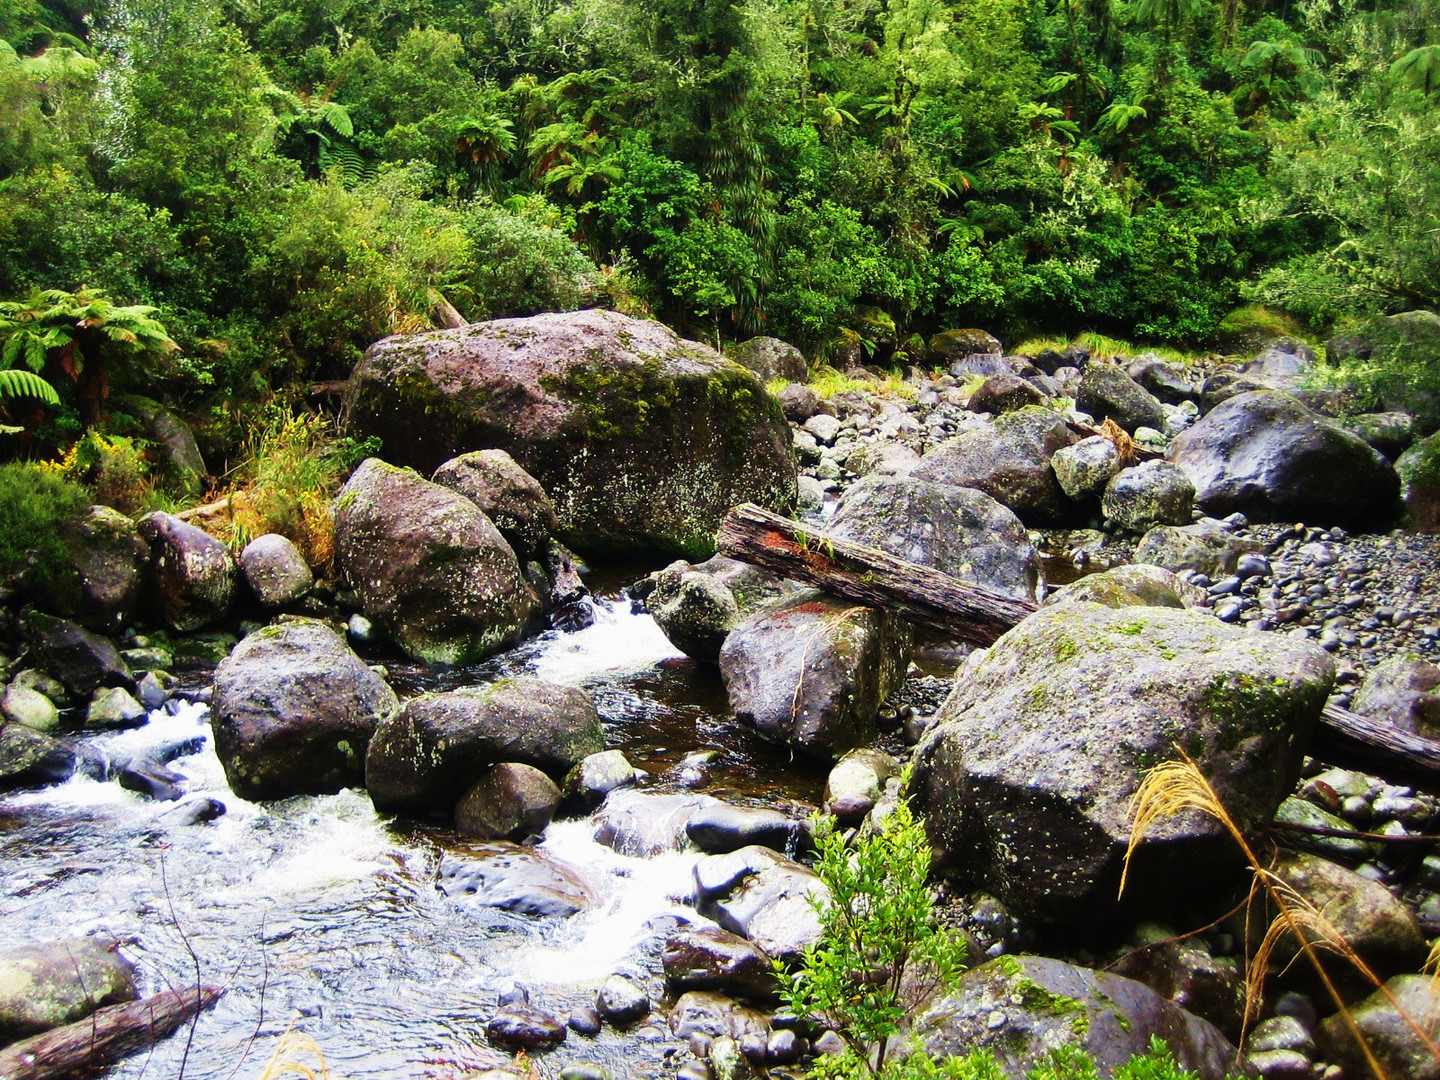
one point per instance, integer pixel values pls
(977, 616)
(105, 1036)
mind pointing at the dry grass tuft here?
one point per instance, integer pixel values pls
(1179, 786)
(296, 1054)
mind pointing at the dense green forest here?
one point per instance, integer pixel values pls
(285, 182)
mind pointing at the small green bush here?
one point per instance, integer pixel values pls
(35, 507)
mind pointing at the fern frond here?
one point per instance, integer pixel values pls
(16, 382)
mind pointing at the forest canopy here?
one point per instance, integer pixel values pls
(280, 184)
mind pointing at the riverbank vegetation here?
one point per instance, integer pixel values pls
(253, 192)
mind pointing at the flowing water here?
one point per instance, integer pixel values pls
(316, 908)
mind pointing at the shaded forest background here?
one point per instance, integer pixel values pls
(287, 182)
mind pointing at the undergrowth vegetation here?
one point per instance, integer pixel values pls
(293, 464)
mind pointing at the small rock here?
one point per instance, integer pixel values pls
(521, 1027)
(621, 1002)
(113, 708)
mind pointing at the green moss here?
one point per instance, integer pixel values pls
(1066, 649)
(614, 400)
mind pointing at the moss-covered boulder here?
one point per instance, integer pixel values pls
(509, 496)
(102, 584)
(1419, 469)
(429, 567)
(51, 983)
(811, 671)
(1026, 776)
(642, 439)
(1022, 1007)
(1266, 455)
(294, 712)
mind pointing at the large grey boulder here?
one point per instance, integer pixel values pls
(1086, 467)
(1151, 493)
(714, 959)
(1025, 777)
(1107, 393)
(1134, 584)
(811, 671)
(959, 531)
(429, 567)
(509, 496)
(191, 577)
(1267, 456)
(949, 346)
(510, 801)
(1009, 461)
(694, 609)
(432, 750)
(1022, 1007)
(51, 983)
(643, 440)
(294, 710)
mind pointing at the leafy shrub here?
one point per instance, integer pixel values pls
(294, 465)
(880, 952)
(35, 506)
(112, 467)
(524, 261)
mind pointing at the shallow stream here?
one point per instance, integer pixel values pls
(318, 908)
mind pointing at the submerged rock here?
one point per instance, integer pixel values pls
(294, 710)
(428, 566)
(1026, 776)
(642, 823)
(1022, 1007)
(643, 440)
(811, 671)
(526, 881)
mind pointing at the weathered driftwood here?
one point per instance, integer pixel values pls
(977, 615)
(970, 613)
(105, 1036)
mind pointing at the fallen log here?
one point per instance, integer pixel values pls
(977, 615)
(105, 1036)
